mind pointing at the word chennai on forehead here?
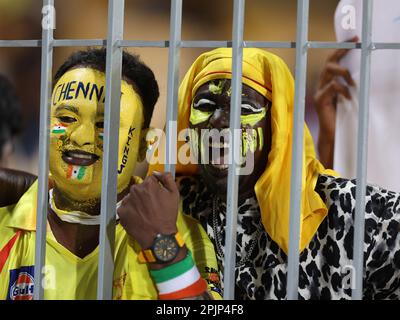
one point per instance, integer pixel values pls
(75, 89)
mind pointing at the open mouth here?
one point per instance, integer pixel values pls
(216, 153)
(218, 158)
(219, 155)
(79, 158)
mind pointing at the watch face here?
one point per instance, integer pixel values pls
(165, 248)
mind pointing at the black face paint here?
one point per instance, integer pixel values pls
(255, 147)
(126, 151)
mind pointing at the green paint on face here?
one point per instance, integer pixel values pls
(198, 116)
(252, 119)
(81, 173)
(216, 88)
(194, 141)
(229, 92)
(249, 141)
(260, 138)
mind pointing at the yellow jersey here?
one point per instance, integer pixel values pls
(66, 276)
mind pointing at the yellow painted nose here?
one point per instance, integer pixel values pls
(84, 134)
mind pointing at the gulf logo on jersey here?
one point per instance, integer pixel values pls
(21, 284)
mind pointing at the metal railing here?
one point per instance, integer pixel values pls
(115, 44)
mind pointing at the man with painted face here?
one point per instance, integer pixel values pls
(328, 202)
(158, 253)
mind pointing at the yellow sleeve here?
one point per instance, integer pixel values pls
(200, 245)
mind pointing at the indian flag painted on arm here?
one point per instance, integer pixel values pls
(58, 128)
(76, 172)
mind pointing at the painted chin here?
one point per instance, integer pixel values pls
(79, 158)
(216, 179)
(216, 163)
(216, 171)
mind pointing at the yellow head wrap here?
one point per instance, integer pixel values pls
(267, 74)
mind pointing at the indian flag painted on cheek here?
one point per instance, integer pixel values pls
(76, 172)
(58, 128)
(101, 136)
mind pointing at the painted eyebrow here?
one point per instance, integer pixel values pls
(251, 108)
(67, 107)
(203, 101)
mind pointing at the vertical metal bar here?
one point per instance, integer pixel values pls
(110, 155)
(234, 124)
(173, 82)
(362, 149)
(42, 200)
(297, 149)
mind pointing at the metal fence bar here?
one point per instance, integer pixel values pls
(196, 44)
(333, 45)
(20, 43)
(43, 179)
(110, 149)
(143, 44)
(297, 149)
(173, 83)
(269, 44)
(235, 150)
(385, 46)
(79, 42)
(206, 44)
(362, 150)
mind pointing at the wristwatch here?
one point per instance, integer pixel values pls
(164, 249)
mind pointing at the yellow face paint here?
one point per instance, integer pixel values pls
(76, 126)
(249, 141)
(216, 88)
(197, 116)
(260, 138)
(194, 142)
(252, 119)
(229, 92)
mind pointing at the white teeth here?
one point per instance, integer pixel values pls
(221, 166)
(219, 145)
(81, 156)
(219, 162)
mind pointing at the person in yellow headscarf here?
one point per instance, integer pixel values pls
(263, 210)
(159, 254)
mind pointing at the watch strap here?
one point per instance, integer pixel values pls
(147, 256)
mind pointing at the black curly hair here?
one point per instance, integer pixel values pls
(10, 112)
(132, 68)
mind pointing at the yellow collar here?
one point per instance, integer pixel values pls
(24, 213)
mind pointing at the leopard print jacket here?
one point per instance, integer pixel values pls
(325, 270)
